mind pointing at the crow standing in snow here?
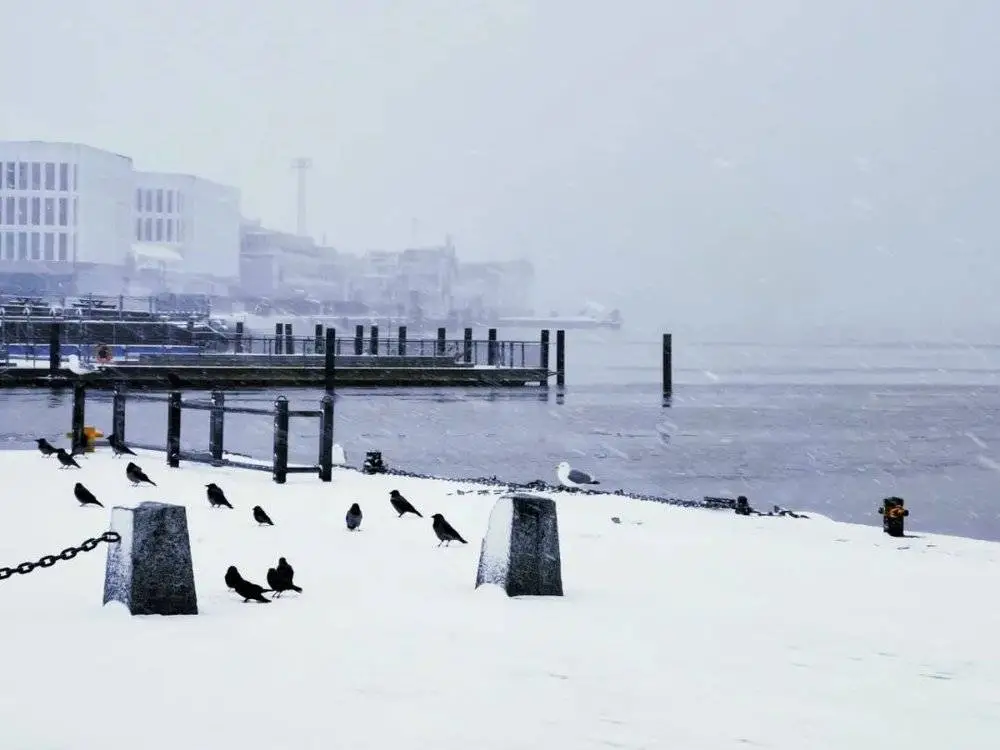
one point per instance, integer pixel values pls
(353, 517)
(249, 591)
(445, 531)
(261, 517)
(136, 475)
(85, 496)
(402, 505)
(65, 459)
(281, 580)
(118, 447)
(45, 447)
(233, 577)
(216, 497)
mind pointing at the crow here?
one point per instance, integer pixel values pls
(216, 497)
(118, 447)
(85, 496)
(45, 447)
(261, 517)
(280, 583)
(250, 591)
(233, 577)
(402, 505)
(445, 532)
(353, 517)
(136, 475)
(285, 569)
(65, 459)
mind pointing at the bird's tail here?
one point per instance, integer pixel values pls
(296, 589)
(151, 481)
(419, 514)
(594, 481)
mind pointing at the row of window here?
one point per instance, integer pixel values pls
(158, 200)
(52, 246)
(159, 230)
(36, 212)
(37, 175)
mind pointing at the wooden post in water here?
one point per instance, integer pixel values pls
(374, 344)
(238, 343)
(78, 439)
(278, 345)
(442, 333)
(289, 340)
(668, 369)
(326, 438)
(560, 359)
(359, 340)
(467, 346)
(174, 429)
(55, 355)
(543, 356)
(118, 414)
(330, 361)
(491, 347)
(401, 342)
(280, 466)
(216, 425)
(317, 339)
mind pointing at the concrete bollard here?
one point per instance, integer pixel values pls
(150, 569)
(520, 552)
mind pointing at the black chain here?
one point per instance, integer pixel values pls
(67, 554)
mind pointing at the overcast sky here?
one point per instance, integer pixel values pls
(747, 165)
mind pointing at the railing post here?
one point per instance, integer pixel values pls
(318, 339)
(442, 333)
(280, 465)
(79, 417)
(668, 368)
(491, 347)
(374, 344)
(543, 356)
(330, 361)
(118, 414)
(289, 341)
(238, 343)
(326, 438)
(401, 342)
(174, 429)
(560, 358)
(216, 425)
(278, 346)
(467, 346)
(55, 355)
(359, 340)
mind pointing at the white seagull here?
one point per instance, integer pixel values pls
(570, 477)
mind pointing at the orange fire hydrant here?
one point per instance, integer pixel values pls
(90, 435)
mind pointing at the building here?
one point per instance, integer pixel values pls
(500, 288)
(282, 266)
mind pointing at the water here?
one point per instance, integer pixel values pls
(827, 428)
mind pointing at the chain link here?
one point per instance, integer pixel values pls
(69, 553)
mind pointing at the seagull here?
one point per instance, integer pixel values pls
(570, 477)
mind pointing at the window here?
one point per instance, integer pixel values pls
(50, 212)
(149, 200)
(11, 219)
(22, 212)
(75, 174)
(64, 177)
(22, 245)
(76, 215)
(159, 230)
(159, 201)
(36, 212)
(11, 245)
(50, 176)
(36, 246)
(170, 201)
(138, 199)
(180, 201)
(170, 230)
(63, 210)
(11, 174)
(22, 176)
(149, 230)
(1, 215)
(138, 230)
(180, 229)
(62, 246)
(36, 175)
(50, 246)
(74, 244)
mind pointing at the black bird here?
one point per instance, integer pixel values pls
(402, 505)
(65, 459)
(261, 517)
(353, 517)
(250, 591)
(279, 583)
(85, 496)
(445, 531)
(285, 569)
(118, 447)
(136, 475)
(45, 447)
(216, 497)
(233, 577)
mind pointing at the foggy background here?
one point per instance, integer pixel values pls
(734, 169)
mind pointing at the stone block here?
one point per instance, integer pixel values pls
(150, 570)
(520, 552)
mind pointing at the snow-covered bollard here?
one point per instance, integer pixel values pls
(520, 552)
(150, 569)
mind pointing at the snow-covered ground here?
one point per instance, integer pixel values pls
(679, 629)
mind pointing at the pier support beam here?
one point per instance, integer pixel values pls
(77, 438)
(491, 347)
(330, 361)
(326, 438)
(442, 334)
(280, 466)
(401, 342)
(560, 359)
(467, 346)
(543, 355)
(668, 369)
(359, 340)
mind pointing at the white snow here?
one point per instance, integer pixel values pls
(679, 629)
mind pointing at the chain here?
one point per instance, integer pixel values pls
(67, 554)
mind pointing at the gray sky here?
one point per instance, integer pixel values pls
(743, 165)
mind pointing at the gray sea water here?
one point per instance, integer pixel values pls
(828, 428)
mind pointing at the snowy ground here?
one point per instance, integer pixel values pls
(679, 629)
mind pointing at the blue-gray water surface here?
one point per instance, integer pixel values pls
(826, 428)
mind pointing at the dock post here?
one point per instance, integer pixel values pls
(374, 344)
(467, 346)
(330, 361)
(359, 340)
(55, 356)
(280, 466)
(543, 356)
(289, 341)
(318, 339)
(442, 333)
(216, 425)
(118, 414)
(326, 438)
(78, 439)
(491, 347)
(174, 429)
(668, 369)
(277, 339)
(560, 359)
(238, 344)
(401, 342)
